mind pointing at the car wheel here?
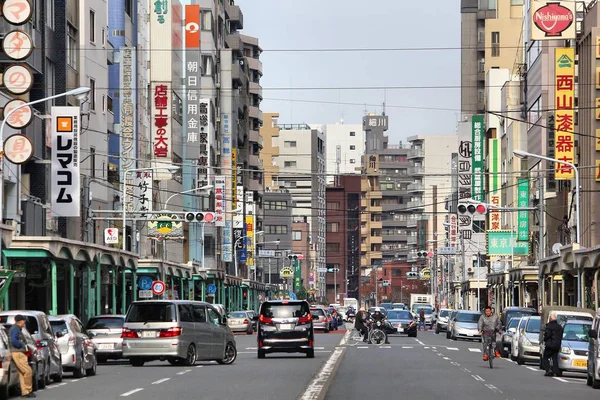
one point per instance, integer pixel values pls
(34, 382)
(310, 353)
(261, 354)
(588, 381)
(4, 391)
(190, 357)
(59, 377)
(250, 331)
(101, 359)
(92, 370)
(230, 354)
(520, 361)
(79, 371)
(137, 362)
(42, 380)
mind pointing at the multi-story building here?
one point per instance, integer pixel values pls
(269, 133)
(345, 147)
(343, 236)
(490, 37)
(277, 236)
(301, 245)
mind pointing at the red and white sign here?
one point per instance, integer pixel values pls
(17, 45)
(553, 19)
(18, 149)
(17, 79)
(161, 120)
(158, 287)
(17, 12)
(111, 235)
(21, 117)
(220, 205)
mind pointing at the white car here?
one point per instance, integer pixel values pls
(514, 348)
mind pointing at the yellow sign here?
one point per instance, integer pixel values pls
(597, 46)
(286, 272)
(597, 139)
(234, 178)
(597, 170)
(597, 77)
(597, 107)
(564, 139)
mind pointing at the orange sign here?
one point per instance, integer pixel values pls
(192, 26)
(597, 46)
(597, 139)
(64, 124)
(564, 138)
(597, 170)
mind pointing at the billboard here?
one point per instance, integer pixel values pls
(143, 193)
(127, 121)
(227, 248)
(478, 157)
(220, 200)
(564, 138)
(495, 183)
(65, 174)
(504, 243)
(161, 122)
(553, 19)
(523, 216)
(161, 37)
(465, 154)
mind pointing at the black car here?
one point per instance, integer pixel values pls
(403, 321)
(285, 326)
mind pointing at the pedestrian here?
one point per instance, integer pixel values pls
(422, 319)
(18, 351)
(552, 342)
(360, 323)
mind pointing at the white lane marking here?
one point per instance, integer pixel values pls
(345, 338)
(184, 372)
(362, 347)
(418, 341)
(57, 385)
(455, 363)
(474, 350)
(478, 378)
(493, 388)
(407, 347)
(452, 348)
(132, 392)
(446, 358)
(199, 366)
(434, 348)
(317, 385)
(466, 370)
(533, 369)
(561, 379)
(160, 381)
(385, 347)
(319, 348)
(250, 348)
(509, 360)
(426, 347)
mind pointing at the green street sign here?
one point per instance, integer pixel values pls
(523, 216)
(504, 243)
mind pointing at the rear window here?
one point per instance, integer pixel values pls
(444, 313)
(152, 312)
(562, 319)
(59, 326)
(281, 310)
(238, 314)
(511, 314)
(30, 322)
(467, 317)
(105, 323)
(317, 311)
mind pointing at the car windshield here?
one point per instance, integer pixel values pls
(238, 314)
(152, 312)
(105, 323)
(444, 313)
(428, 310)
(513, 323)
(59, 326)
(515, 314)
(576, 332)
(533, 326)
(467, 317)
(30, 322)
(284, 310)
(562, 319)
(399, 315)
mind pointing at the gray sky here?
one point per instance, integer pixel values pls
(318, 24)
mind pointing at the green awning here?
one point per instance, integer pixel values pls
(25, 253)
(147, 270)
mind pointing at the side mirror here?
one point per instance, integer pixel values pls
(512, 330)
(59, 334)
(592, 333)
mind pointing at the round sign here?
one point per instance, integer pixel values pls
(17, 45)
(158, 287)
(209, 217)
(17, 79)
(20, 118)
(17, 12)
(18, 149)
(211, 288)
(145, 283)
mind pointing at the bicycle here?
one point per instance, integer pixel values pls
(489, 348)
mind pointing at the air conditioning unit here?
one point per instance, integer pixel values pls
(470, 270)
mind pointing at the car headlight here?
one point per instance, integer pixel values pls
(526, 341)
(565, 350)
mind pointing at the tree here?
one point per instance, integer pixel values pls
(301, 294)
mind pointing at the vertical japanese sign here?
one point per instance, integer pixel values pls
(565, 94)
(238, 218)
(597, 170)
(523, 218)
(249, 240)
(65, 162)
(297, 275)
(127, 109)
(550, 175)
(204, 123)
(494, 183)
(465, 154)
(477, 157)
(234, 181)
(161, 10)
(227, 248)
(143, 193)
(161, 121)
(220, 200)
(192, 81)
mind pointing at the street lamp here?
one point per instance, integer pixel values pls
(524, 154)
(171, 168)
(80, 92)
(235, 259)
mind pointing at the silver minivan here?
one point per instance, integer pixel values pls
(178, 331)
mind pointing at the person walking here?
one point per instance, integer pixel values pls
(422, 319)
(18, 351)
(552, 341)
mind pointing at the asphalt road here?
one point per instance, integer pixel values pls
(279, 376)
(431, 366)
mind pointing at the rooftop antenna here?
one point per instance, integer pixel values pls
(384, 96)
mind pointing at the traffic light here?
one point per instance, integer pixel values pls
(412, 275)
(479, 208)
(422, 254)
(207, 217)
(293, 257)
(245, 293)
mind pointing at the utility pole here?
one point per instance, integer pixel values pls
(541, 252)
(464, 262)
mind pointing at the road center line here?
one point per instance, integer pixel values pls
(199, 366)
(320, 381)
(184, 372)
(474, 350)
(493, 388)
(132, 392)
(478, 378)
(561, 379)
(466, 370)
(407, 347)
(455, 363)
(452, 348)
(160, 381)
(533, 369)
(446, 358)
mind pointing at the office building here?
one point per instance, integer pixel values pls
(345, 147)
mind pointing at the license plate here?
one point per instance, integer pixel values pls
(469, 334)
(149, 334)
(286, 327)
(106, 346)
(401, 330)
(580, 363)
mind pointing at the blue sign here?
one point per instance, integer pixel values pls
(243, 255)
(292, 295)
(145, 283)
(211, 288)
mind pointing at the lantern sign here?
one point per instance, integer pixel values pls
(17, 79)
(17, 12)
(18, 149)
(21, 117)
(17, 45)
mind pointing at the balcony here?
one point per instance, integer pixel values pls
(376, 225)
(254, 161)
(254, 112)
(412, 222)
(376, 209)
(238, 75)
(254, 64)
(395, 237)
(364, 217)
(415, 204)
(254, 136)
(236, 18)
(416, 187)
(417, 171)
(416, 153)
(411, 240)
(256, 89)
(363, 247)
(375, 255)
(234, 42)
(376, 239)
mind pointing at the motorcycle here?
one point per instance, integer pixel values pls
(377, 332)
(350, 316)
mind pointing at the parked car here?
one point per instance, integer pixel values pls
(563, 314)
(77, 351)
(573, 356)
(509, 313)
(38, 325)
(451, 319)
(465, 325)
(514, 348)
(507, 336)
(320, 321)
(253, 319)
(286, 326)
(593, 359)
(529, 341)
(105, 332)
(240, 321)
(9, 376)
(403, 321)
(178, 331)
(441, 324)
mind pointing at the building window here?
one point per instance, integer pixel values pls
(334, 205)
(333, 227)
(103, 104)
(297, 235)
(50, 15)
(352, 147)
(495, 44)
(207, 66)
(72, 46)
(275, 205)
(92, 96)
(332, 247)
(129, 7)
(206, 20)
(289, 144)
(276, 229)
(352, 161)
(352, 133)
(92, 161)
(92, 26)
(289, 164)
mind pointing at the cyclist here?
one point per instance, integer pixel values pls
(488, 325)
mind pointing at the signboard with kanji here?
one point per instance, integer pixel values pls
(220, 200)
(478, 157)
(494, 184)
(523, 216)
(564, 138)
(143, 193)
(504, 243)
